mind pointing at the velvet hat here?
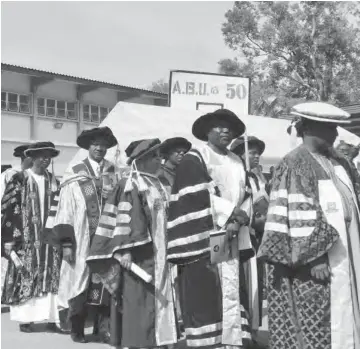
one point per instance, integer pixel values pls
(87, 136)
(41, 146)
(172, 143)
(139, 148)
(205, 123)
(238, 146)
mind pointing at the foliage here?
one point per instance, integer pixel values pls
(161, 86)
(295, 51)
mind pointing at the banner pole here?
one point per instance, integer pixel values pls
(247, 161)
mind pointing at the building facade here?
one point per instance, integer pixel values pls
(44, 106)
(354, 111)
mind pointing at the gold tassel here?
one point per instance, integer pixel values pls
(142, 186)
(293, 136)
(129, 186)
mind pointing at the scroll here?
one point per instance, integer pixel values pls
(141, 273)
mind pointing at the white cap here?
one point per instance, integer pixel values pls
(322, 112)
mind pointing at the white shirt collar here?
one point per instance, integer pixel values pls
(95, 165)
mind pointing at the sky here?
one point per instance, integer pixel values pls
(127, 43)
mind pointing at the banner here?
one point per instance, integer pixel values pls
(207, 92)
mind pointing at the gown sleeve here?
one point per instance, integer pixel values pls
(11, 218)
(60, 229)
(296, 230)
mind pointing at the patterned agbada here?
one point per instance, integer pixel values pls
(135, 220)
(73, 224)
(314, 211)
(6, 178)
(31, 291)
(206, 190)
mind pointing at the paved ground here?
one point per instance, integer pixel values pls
(12, 338)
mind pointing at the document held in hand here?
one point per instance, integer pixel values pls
(222, 250)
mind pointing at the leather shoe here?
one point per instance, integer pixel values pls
(56, 329)
(102, 337)
(105, 338)
(26, 328)
(78, 338)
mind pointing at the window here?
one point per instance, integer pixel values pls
(86, 112)
(71, 110)
(50, 107)
(59, 109)
(103, 113)
(94, 113)
(15, 102)
(24, 103)
(41, 103)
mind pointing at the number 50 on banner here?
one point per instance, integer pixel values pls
(207, 91)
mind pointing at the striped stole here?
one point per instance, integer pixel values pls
(91, 196)
(190, 218)
(296, 229)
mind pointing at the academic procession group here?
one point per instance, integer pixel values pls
(188, 241)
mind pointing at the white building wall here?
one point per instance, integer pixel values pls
(22, 128)
(142, 100)
(15, 82)
(57, 89)
(45, 129)
(15, 126)
(102, 97)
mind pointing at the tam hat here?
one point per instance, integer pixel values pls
(172, 143)
(87, 136)
(137, 149)
(41, 146)
(321, 112)
(204, 123)
(238, 146)
(19, 151)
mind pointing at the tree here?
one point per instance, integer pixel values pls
(161, 86)
(295, 51)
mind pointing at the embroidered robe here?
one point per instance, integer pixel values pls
(306, 220)
(73, 224)
(214, 303)
(21, 223)
(135, 221)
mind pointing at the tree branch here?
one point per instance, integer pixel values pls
(300, 83)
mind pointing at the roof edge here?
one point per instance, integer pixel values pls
(80, 80)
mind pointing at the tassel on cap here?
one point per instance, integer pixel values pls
(142, 186)
(293, 135)
(129, 186)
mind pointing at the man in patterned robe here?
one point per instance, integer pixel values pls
(84, 189)
(8, 174)
(311, 242)
(209, 212)
(31, 287)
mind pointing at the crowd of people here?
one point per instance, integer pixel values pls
(190, 240)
